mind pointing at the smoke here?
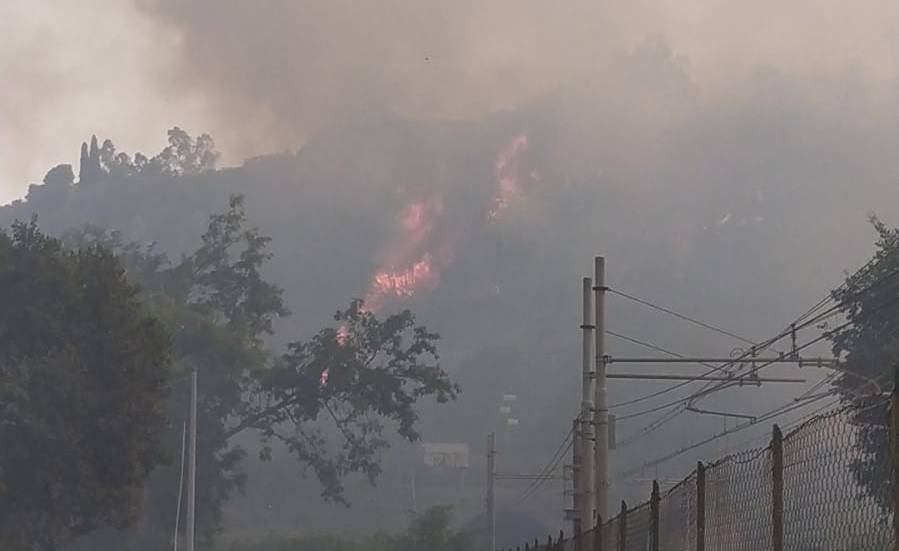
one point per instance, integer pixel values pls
(265, 76)
(72, 69)
(278, 72)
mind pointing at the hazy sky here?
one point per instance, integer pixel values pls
(263, 76)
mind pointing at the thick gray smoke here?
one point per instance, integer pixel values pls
(277, 72)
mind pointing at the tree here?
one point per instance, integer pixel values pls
(350, 380)
(227, 278)
(83, 371)
(60, 176)
(869, 347)
(219, 308)
(431, 530)
(184, 155)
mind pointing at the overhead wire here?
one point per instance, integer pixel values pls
(708, 389)
(776, 412)
(658, 349)
(746, 357)
(791, 406)
(550, 465)
(684, 317)
(800, 323)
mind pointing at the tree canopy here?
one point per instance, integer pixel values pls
(432, 529)
(219, 307)
(83, 377)
(868, 345)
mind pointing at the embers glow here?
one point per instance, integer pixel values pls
(509, 177)
(400, 283)
(408, 263)
(403, 283)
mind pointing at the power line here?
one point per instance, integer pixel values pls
(678, 315)
(542, 478)
(559, 454)
(806, 319)
(658, 349)
(773, 413)
(781, 410)
(650, 428)
(714, 387)
(743, 358)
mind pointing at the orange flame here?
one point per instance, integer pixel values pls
(511, 188)
(408, 266)
(411, 261)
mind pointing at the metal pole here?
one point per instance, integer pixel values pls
(412, 488)
(598, 541)
(654, 503)
(601, 412)
(491, 492)
(622, 527)
(586, 504)
(700, 507)
(577, 471)
(894, 454)
(192, 466)
(777, 490)
(180, 487)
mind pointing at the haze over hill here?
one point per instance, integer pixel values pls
(727, 211)
(468, 160)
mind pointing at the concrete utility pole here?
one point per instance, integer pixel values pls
(192, 465)
(491, 492)
(584, 494)
(601, 411)
(577, 469)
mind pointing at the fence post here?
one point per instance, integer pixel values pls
(777, 490)
(622, 527)
(700, 506)
(654, 502)
(561, 542)
(578, 534)
(894, 454)
(597, 535)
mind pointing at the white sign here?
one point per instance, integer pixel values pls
(509, 397)
(505, 409)
(512, 422)
(454, 456)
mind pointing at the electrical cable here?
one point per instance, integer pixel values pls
(772, 413)
(553, 462)
(720, 386)
(657, 393)
(689, 319)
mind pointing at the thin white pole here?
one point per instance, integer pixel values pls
(601, 417)
(586, 502)
(491, 489)
(180, 487)
(192, 465)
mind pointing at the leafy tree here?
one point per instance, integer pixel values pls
(83, 371)
(869, 347)
(184, 155)
(60, 176)
(431, 530)
(219, 308)
(353, 379)
(228, 282)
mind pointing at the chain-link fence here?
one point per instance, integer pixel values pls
(826, 485)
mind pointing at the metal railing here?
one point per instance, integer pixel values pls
(827, 484)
